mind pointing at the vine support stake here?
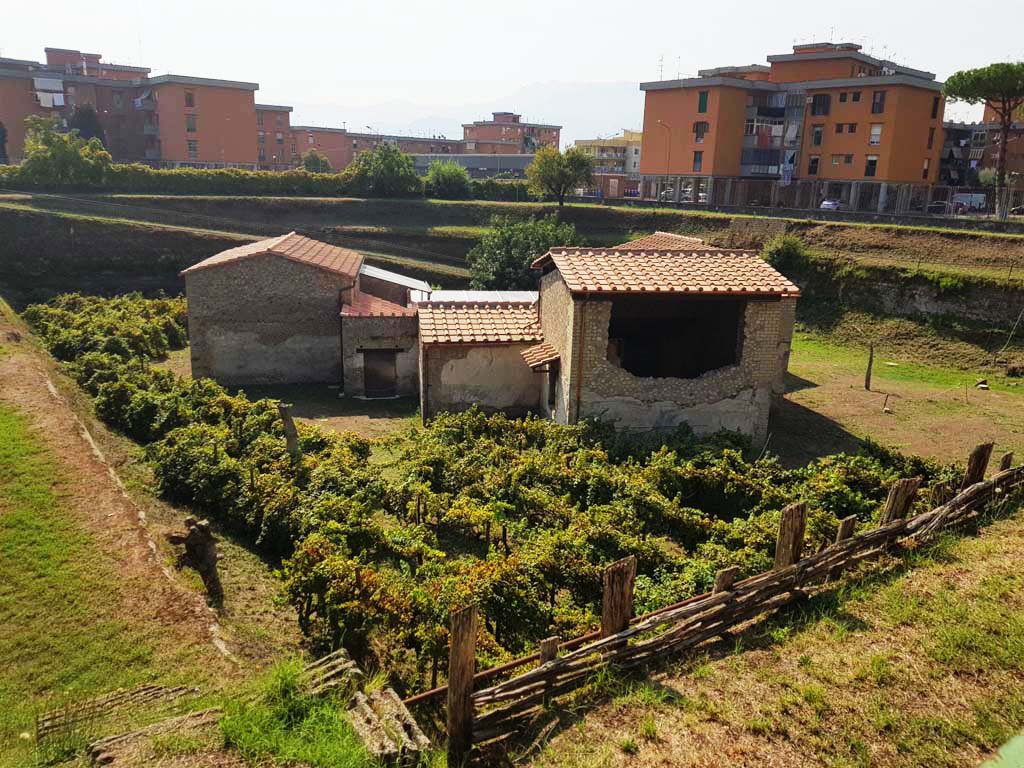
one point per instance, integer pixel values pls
(871, 363)
(617, 598)
(977, 463)
(789, 546)
(291, 434)
(461, 666)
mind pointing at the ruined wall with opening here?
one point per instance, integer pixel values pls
(494, 377)
(394, 333)
(558, 319)
(735, 397)
(265, 320)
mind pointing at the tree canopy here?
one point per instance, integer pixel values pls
(55, 157)
(502, 258)
(385, 171)
(1000, 87)
(85, 120)
(448, 180)
(556, 174)
(315, 161)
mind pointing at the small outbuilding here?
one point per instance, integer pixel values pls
(290, 310)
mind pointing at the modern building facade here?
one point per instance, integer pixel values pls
(616, 154)
(825, 113)
(506, 133)
(274, 143)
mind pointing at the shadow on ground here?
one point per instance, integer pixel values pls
(798, 435)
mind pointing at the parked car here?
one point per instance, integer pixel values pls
(1017, 211)
(831, 204)
(941, 207)
(972, 201)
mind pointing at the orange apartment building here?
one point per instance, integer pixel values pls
(823, 113)
(274, 143)
(340, 146)
(506, 133)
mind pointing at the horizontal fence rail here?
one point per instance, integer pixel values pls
(486, 714)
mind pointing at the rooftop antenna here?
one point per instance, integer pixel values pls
(679, 62)
(661, 67)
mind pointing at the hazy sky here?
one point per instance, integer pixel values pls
(426, 67)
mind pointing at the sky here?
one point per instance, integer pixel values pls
(424, 68)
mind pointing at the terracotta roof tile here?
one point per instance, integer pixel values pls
(304, 250)
(540, 354)
(478, 323)
(365, 305)
(705, 272)
(664, 241)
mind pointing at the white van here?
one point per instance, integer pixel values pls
(973, 201)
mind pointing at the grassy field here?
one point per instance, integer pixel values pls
(64, 630)
(920, 663)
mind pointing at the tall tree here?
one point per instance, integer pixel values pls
(56, 157)
(385, 171)
(555, 174)
(1001, 88)
(315, 161)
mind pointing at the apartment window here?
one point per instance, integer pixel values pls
(842, 97)
(817, 133)
(935, 107)
(699, 129)
(871, 165)
(262, 154)
(851, 128)
(261, 137)
(278, 119)
(836, 159)
(931, 138)
(924, 170)
(876, 135)
(193, 149)
(190, 99)
(698, 161)
(878, 102)
(855, 97)
(812, 165)
(279, 138)
(309, 138)
(820, 104)
(839, 127)
(848, 160)
(702, 101)
(636, 151)
(190, 123)
(118, 100)
(259, 119)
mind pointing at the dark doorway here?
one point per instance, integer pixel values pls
(678, 337)
(380, 375)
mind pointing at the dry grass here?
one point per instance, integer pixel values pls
(919, 666)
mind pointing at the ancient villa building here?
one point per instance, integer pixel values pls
(294, 310)
(645, 338)
(647, 335)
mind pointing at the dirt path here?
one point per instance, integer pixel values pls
(150, 591)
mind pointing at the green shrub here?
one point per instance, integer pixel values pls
(448, 181)
(501, 259)
(787, 253)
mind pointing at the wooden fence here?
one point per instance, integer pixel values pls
(477, 715)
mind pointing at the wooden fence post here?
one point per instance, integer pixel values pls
(549, 648)
(977, 463)
(291, 434)
(725, 578)
(901, 496)
(461, 666)
(1006, 461)
(617, 598)
(789, 546)
(846, 527)
(940, 494)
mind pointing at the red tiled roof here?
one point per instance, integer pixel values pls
(664, 241)
(503, 323)
(365, 305)
(704, 272)
(303, 250)
(540, 354)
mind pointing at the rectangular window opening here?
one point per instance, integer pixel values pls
(696, 335)
(190, 99)
(702, 101)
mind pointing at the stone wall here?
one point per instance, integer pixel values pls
(735, 397)
(398, 333)
(265, 320)
(495, 377)
(558, 318)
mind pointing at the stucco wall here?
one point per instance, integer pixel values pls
(398, 333)
(265, 320)
(492, 376)
(736, 397)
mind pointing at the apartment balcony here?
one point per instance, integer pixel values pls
(152, 154)
(144, 105)
(150, 130)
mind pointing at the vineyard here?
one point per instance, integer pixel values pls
(380, 542)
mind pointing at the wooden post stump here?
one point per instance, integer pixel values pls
(940, 494)
(617, 598)
(1006, 461)
(901, 496)
(789, 546)
(461, 667)
(291, 433)
(977, 463)
(725, 578)
(846, 528)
